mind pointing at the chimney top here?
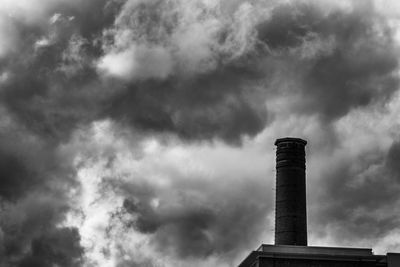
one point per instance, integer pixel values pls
(290, 139)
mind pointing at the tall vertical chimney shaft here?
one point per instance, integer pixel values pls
(290, 203)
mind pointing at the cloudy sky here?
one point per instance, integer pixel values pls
(140, 132)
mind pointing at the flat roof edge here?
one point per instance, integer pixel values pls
(372, 258)
(315, 250)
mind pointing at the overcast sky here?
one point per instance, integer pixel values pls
(141, 132)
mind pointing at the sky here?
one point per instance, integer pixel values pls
(141, 132)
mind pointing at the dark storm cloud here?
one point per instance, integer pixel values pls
(288, 25)
(16, 177)
(56, 87)
(339, 60)
(52, 86)
(359, 194)
(132, 263)
(185, 229)
(28, 162)
(91, 17)
(55, 247)
(215, 103)
(393, 160)
(35, 117)
(351, 63)
(191, 225)
(356, 65)
(211, 105)
(33, 181)
(48, 86)
(361, 71)
(30, 234)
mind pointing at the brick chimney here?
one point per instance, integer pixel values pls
(290, 202)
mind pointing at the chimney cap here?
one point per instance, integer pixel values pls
(290, 139)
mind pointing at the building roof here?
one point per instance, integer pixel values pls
(337, 254)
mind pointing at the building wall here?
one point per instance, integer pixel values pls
(270, 262)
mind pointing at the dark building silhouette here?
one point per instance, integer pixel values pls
(290, 247)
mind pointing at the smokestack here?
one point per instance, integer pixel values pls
(290, 202)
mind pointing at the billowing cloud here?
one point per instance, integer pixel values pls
(348, 58)
(175, 205)
(138, 62)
